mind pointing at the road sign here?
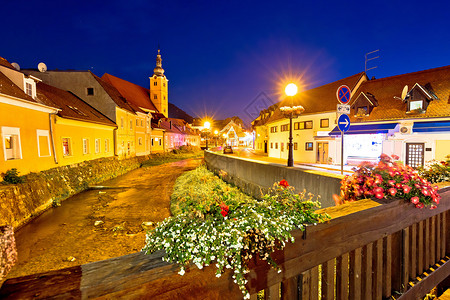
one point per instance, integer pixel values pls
(343, 109)
(344, 123)
(343, 94)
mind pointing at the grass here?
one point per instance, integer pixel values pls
(163, 158)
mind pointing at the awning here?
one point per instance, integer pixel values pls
(366, 129)
(440, 126)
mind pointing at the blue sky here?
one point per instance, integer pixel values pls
(220, 55)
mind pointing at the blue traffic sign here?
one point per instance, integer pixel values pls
(343, 123)
(343, 94)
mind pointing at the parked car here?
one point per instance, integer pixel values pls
(227, 150)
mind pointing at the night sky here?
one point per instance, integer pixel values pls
(220, 55)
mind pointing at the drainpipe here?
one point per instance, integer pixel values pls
(51, 134)
(115, 141)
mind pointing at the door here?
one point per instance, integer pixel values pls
(265, 146)
(322, 152)
(415, 154)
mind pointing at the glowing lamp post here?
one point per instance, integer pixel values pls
(207, 125)
(215, 136)
(291, 112)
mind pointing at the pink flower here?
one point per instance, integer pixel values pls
(415, 200)
(417, 185)
(378, 190)
(425, 192)
(379, 195)
(433, 206)
(406, 189)
(420, 205)
(398, 185)
(391, 182)
(436, 200)
(392, 191)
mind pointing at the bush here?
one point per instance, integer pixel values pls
(12, 176)
(435, 171)
(388, 179)
(216, 223)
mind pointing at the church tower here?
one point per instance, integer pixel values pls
(159, 88)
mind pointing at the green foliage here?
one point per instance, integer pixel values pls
(12, 176)
(163, 158)
(435, 171)
(216, 223)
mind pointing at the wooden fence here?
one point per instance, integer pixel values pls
(366, 251)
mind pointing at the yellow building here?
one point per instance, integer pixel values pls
(26, 140)
(80, 131)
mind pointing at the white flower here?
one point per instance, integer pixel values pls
(218, 275)
(181, 272)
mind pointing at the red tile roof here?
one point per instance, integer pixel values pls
(71, 106)
(389, 108)
(133, 93)
(5, 63)
(116, 96)
(319, 99)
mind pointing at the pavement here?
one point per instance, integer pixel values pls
(258, 156)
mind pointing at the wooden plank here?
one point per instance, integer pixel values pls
(328, 280)
(387, 266)
(342, 277)
(438, 236)
(304, 285)
(413, 257)
(366, 273)
(355, 274)
(445, 232)
(433, 240)
(421, 288)
(396, 254)
(420, 247)
(405, 260)
(272, 292)
(314, 288)
(377, 278)
(289, 288)
(426, 241)
(254, 296)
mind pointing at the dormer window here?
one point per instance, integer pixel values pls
(29, 89)
(363, 105)
(418, 98)
(155, 83)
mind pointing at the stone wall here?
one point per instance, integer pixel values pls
(8, 251)
(21, 202)
(255, 177)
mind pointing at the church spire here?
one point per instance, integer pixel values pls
(158, 71)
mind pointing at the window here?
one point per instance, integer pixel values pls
(85, 146)
(295, 146)
(67, 147)
(271, 145)
(164, 84)
(282, 147)
(413, 105)
(155, 83)
(276, 145)
(324, 123)
(308, 124)
(29, 89)
(361, 111)
(285, 127)
(160, 142)
(97, 145)
(140, 141)
(11, 143)
(155, 97)
(106, 145)
(90, 91)
(297, 125)
(121, 122)
(137, 122)
(75, 109)
(131, 125)
(309, 146)
(43, 139)
(273, 129)
(152, 141)
(142, 123)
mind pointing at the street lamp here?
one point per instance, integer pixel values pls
(291, 112)
(207, 125)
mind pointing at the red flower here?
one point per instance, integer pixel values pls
(406, 189)
(415, 200)
(379, 195)
(224, 213)
(398, 185)
(391, 182)
(378, 190)
(420, 205)
(224, 207)
(283, 183)
(425, 192)
(392, 191)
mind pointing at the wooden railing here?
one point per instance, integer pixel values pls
(366, 251)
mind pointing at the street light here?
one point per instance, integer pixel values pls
(291, 112)
(207, 125)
